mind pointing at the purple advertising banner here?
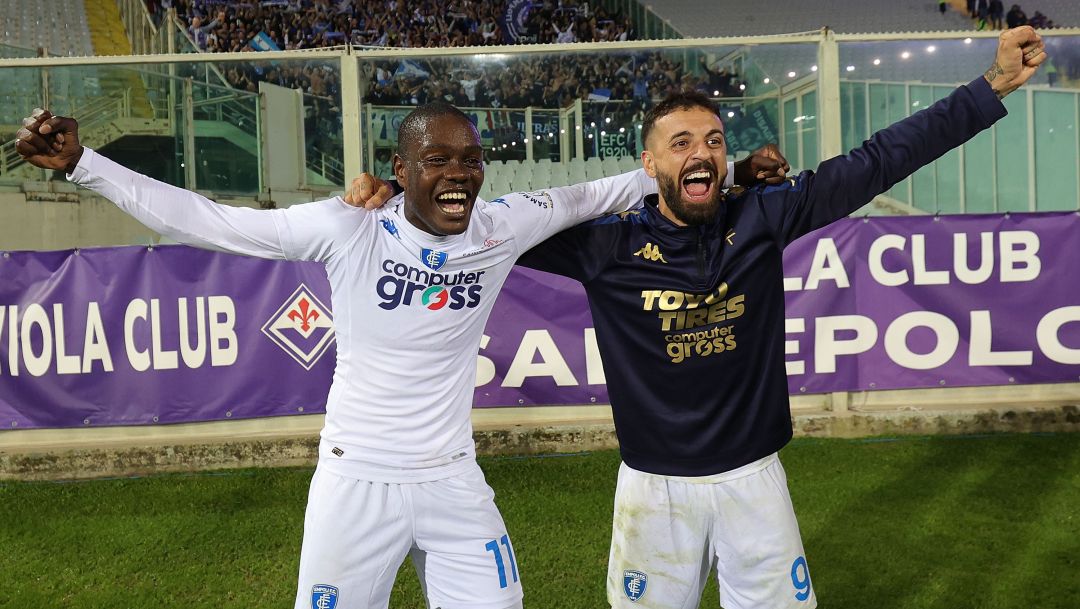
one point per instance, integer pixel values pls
(132, 335)
(904, 302)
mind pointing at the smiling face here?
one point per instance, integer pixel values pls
(686, 153)
(440, 165)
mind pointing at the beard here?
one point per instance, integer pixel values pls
(691, 214)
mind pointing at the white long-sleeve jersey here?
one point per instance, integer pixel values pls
(409, 307)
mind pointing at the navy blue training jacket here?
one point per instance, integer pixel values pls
(690, 320)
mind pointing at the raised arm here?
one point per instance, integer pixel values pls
(307, 232)
(845, 183)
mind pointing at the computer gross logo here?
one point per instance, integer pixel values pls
(406, 285)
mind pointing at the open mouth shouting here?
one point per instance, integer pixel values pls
(698, 185)
(453, 203)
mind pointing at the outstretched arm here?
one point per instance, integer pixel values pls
(301, 232)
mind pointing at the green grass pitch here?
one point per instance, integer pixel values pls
(909, 523)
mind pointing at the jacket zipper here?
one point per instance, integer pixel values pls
(700, 258)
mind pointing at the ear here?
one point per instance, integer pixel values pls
(399, 170)
(648, 163)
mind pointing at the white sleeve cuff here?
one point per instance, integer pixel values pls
(82, 170)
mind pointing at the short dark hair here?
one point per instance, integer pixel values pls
(682, 100)
(416, 123)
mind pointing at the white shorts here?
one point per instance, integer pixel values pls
(357, 533)
(668, 532)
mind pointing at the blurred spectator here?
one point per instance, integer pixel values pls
(200, 33)
(1015, 17)
(997, 11)
(1039, 21)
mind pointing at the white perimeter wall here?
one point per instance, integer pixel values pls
(56, 225)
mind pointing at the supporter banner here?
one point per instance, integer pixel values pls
(513, 20)
(752, 128)
(140, 336)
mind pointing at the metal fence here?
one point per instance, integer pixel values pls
(816, 94)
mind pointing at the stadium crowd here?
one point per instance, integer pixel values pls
(631, 81)
(300, 24)
(303, 24)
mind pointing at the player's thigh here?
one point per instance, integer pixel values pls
(356, 535)
(660, 555)
(463, 553)
(760, 559)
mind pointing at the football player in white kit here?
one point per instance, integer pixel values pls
(412, 286)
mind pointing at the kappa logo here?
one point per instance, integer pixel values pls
(651, 252)
(499, 201)
(634, 584)
(391, 228)
(433, 259)
(323, 596)
(303, 327)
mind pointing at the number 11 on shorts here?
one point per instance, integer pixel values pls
(493, 547)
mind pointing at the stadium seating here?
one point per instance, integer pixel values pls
(516, 176)
(57, 25)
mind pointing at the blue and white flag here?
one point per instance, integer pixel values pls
(600, 94)
(263, 42)
(410, 69)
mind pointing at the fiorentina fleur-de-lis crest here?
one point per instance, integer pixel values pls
(304, 314)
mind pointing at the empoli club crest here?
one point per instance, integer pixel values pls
(634, 584)
(433, 259)
(323, 596)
